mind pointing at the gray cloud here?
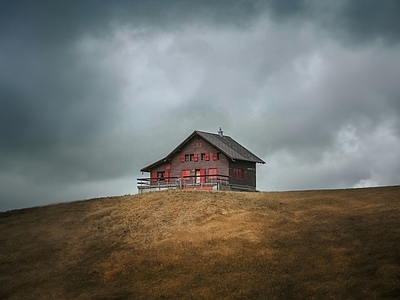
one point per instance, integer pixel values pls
(370, 19)
(92, 91)
(354, 22)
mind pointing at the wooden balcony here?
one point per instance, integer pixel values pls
(202, 182)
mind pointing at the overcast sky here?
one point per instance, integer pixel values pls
(92, 91)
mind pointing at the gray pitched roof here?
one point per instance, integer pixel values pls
(229, 147)
(223, 143)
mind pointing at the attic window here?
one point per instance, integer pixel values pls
(198, 144)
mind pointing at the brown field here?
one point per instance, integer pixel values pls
(331, 244)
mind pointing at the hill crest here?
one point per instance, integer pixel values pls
(187, 244)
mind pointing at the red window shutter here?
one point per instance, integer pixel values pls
(207, 156)
(182, 158)
(154, 176)
(185, 173)
(215, 156)
(166, 175)
(238, 173)
(202, 175)
(168, 166)
(212, 172)
(196, 157)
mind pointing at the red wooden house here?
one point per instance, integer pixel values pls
(203, 161)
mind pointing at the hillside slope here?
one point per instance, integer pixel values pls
(333, 244)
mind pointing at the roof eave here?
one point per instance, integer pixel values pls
(149, 167)
(176, 149)
(249, 160)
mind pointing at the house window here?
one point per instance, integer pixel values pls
(185, 174)
(186, 157)
(198, 143)
(161, 175)
(216, 156)
(238, 173)
(212, 172)
(191, 157)
(203, 156)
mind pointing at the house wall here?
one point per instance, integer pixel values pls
(191, 147)
(249, 170)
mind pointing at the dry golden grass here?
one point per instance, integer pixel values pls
(332, 244)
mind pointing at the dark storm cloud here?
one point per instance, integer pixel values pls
(45, 80)
(58, 99)
(371, 19)
(79, 108)
(55, 100)
(62, 98)
(353, 21)
(53, 22)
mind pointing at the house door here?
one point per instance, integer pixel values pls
(201, 176)
(198, 178)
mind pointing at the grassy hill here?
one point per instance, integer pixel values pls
(331, 244)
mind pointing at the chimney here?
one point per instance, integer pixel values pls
(220, 132)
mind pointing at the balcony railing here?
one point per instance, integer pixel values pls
(200, 182)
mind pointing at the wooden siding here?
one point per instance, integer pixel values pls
(249, 169)
(192, 147)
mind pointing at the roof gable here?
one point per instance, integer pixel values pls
(223, 143)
